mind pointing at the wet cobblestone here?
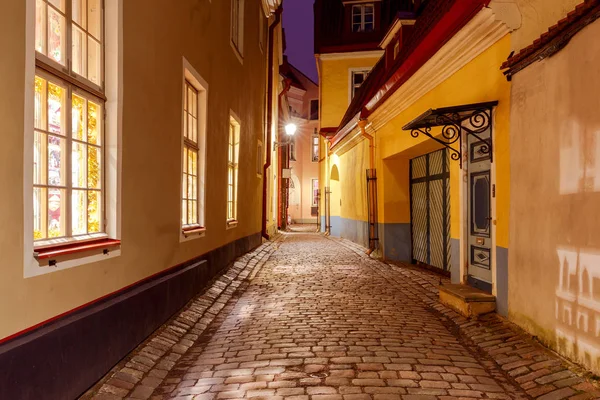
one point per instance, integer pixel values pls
(322, 321)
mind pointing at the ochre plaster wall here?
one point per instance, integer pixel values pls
(334, 78)
(554, 258)
(156, 37)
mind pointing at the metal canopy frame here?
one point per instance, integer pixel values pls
(452, 120)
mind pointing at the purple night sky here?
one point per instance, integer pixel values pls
(298, 24)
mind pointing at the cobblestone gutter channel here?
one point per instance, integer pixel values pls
(146, 367)
(511, 355)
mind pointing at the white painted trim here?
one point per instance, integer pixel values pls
(238, 50)
(398, 23)
(351, 55)
(477, 36)
(112, 138)
(351, 71)
(190, 74)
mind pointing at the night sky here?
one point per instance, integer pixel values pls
(298, 25)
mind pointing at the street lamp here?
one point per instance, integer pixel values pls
(290, 129)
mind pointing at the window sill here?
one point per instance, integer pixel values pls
(232, 223)
(192, 232)
(63, 251)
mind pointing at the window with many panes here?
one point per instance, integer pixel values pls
(68, 177)
(237, 25)
(363, 17)
(357, 79)
(315, 147)
(232, 169)
(189, 204)
(315, 192)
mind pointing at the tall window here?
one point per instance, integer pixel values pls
(262, 34)
(363, 17)
(68, 178)
(315, 192)
(237, 25)
(193, 158)
(315, 147)
(357, 79)
(189, 204)
(314, 109)
(232, 169)
(293, 148)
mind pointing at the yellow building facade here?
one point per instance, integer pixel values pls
(491, 164)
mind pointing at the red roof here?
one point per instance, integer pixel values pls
(555, 38)
(438, 23)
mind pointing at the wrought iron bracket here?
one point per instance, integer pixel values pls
(467, 120)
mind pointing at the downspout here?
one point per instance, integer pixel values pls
(270, 58)
(362, 124)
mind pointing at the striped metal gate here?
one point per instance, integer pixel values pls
(430, 209)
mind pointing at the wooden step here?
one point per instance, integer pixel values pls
(467, 300)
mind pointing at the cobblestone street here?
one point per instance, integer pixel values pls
(308, 317)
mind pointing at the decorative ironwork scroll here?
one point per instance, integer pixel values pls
(471, 120)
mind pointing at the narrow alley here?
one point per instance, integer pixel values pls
(308, 316)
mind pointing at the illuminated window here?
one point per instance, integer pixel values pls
(232, 169)
(189, 205)
(237, 26)
(363, 17)
(315, 147)
(193, 152)
(357, 79)
(68, 152)
(315, 192)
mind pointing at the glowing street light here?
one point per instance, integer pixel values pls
(290, 129)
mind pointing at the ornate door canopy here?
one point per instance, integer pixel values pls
(473, 119)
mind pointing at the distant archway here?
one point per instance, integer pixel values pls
(335, 173)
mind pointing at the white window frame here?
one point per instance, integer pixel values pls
(262, 34)
(260, 158)
(233, 166)
(312, 193)
(112, 75)
(362, 7)
(192, 77)
(312, 147)
(351, 87)
(237, 28)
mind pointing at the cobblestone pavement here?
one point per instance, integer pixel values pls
(322, 321)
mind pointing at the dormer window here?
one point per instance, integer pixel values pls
(363, 17)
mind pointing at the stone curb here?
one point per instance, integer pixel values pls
(145, 368)
(525, 362)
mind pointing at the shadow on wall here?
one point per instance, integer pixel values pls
(578, 305)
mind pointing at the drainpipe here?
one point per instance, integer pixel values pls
(267, 165)
(362, 123)
(283, 163)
